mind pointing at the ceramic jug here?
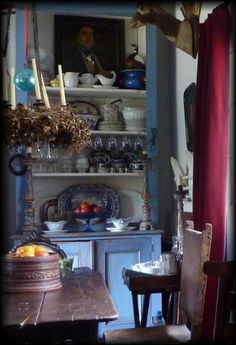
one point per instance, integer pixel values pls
(105, 80)
(71, 79)
(111, 112)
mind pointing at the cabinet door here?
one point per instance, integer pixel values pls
(111, 256)
(80, 251)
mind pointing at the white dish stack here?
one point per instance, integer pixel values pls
(135, 118)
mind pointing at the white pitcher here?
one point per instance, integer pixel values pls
(71, 79)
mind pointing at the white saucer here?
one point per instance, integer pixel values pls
(105, 87)
(114, 229)
(85, 86)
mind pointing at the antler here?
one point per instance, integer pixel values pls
(183, 34)
(167, 23)
(190, 9)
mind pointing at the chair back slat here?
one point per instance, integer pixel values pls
(225, 326)
(193, 280)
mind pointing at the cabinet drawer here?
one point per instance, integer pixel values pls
(81, 251)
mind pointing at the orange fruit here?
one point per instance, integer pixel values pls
(32, 250)
(27, 253)
(22, 249)
(41, 253)
(41, 250)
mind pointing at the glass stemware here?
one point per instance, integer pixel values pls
(125, 144)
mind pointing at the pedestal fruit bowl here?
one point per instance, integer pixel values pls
(87, 212)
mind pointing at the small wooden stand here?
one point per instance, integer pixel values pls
(146, 208)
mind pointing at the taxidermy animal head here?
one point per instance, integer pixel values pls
(183, 34)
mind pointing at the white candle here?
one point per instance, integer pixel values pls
(4, 80)
(35, 73)
(45, 95)
(179, 181)
(62, 91)
(13, 90)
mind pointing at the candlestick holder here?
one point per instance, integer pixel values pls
(29, 213)
(177, 245)
(146, 223)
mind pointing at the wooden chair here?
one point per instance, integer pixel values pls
(224, 327)
(192, 294)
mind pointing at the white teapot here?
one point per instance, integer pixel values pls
(71, 79)
(104, 80)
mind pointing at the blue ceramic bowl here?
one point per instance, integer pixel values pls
(134, 79)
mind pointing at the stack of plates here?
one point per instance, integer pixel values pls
(111, 125)
(135, 125)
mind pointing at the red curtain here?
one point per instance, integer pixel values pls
(211, 141)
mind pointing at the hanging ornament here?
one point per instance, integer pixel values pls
(24, 79)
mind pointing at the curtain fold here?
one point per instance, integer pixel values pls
(211, 142)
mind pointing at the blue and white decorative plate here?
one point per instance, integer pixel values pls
(98, 194)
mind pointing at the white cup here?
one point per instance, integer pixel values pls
(71, 79)
(82, 165)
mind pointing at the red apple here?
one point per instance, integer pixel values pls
(97, 209)
(84, 210)
(85, 207)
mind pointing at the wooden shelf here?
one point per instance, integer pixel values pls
(93, 92)
(87, 174)
(120, 133)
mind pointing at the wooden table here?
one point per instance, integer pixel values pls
(146, 284)
(72, 312)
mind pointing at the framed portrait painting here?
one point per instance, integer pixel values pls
(108, 38)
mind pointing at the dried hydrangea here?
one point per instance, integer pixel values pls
(26, 126)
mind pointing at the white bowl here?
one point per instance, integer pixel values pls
(87, 79)
(120, 223)
(55, 226)
(150, 267)
(133, 114)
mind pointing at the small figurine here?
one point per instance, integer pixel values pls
(134, 61)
